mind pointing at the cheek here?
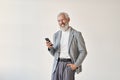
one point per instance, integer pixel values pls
(59, 22)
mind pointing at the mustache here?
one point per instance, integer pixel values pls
(62, 23)
(65, 27)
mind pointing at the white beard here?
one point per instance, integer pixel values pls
(65, 27)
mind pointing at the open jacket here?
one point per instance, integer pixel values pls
(76, 48)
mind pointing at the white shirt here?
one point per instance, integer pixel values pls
(64, 44)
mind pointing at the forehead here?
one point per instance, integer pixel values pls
(61, 16)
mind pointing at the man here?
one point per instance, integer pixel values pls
(68, 49)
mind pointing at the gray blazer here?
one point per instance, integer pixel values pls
(77, 49)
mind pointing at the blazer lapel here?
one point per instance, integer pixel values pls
(59, 38)
(70, 39)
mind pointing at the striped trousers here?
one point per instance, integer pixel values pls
(63, 72)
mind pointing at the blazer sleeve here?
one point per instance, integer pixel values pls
(52, 50)
(81, 49)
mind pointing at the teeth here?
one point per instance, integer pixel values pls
(62, 24)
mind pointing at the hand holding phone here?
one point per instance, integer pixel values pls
(49, 42)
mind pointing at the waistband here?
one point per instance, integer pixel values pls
(64, 59)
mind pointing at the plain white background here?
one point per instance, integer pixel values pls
(25, 23)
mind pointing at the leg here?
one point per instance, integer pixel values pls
(68, 74)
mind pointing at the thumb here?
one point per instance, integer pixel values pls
(68, 64)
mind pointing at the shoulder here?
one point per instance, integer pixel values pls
(57, 32)
(75, 32)
(78, 35)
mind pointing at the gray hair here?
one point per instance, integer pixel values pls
(65, 14)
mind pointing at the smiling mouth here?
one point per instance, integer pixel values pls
(62, 24)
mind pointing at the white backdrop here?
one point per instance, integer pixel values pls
(25, 23)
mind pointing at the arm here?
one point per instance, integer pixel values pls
(82, 50)
(51, 48)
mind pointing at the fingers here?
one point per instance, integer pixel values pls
(73, 67)
(69, 64)
(48, 44)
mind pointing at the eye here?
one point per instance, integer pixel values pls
(58, 20)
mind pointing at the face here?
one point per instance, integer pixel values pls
(63, 21)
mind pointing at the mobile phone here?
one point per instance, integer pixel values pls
(47, 39)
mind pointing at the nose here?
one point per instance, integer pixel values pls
(61, 22)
